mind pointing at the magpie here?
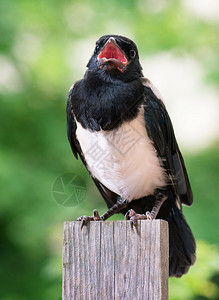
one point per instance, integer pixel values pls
(118, 125)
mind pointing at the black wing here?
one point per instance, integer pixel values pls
(109, 196)
(160, 130)
(71, 127)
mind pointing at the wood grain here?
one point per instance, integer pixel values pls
(107, 260)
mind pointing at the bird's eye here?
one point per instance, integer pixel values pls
(132, 54)
(97, 48)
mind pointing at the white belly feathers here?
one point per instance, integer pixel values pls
(124, 160)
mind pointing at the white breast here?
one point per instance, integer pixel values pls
(124, 160)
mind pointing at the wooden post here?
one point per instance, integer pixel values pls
(107, 261)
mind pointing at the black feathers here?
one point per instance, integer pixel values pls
(101, 105)
(160, 129)
(182, 244)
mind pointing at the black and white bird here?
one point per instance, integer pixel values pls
(118, 124)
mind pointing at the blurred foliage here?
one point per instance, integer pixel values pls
(202, 280)
(42, 45)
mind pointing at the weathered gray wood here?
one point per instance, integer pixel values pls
(107, 260)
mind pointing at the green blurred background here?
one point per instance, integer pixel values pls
(44, 47)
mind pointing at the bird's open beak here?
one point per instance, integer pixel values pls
(112, 54)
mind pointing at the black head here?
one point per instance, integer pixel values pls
(115, 57)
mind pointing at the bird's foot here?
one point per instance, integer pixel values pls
(85, 219)
(134, 217)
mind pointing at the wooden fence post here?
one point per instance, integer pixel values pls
(108, 261)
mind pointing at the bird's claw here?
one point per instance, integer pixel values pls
(85, 219)
(133, 217)
(149, 215)
(96, 215)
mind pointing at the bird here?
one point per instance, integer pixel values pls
(118, 125)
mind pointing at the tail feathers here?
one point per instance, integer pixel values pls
(182, 244)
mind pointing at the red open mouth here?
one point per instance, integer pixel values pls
(112, 52)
